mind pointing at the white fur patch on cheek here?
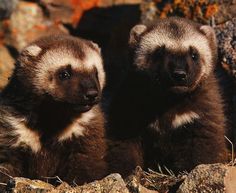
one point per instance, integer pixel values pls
(155, 39)
(77, 129)
(185, 118)
(94, 59)
(26, 136)
(33, 50)
(201, 44)
(50, 62)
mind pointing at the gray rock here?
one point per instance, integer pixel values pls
(209, 178)
(6, 66)
(110, 184)
(6, 8)
(28, 23)
(226, 35)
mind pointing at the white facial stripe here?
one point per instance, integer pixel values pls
(94, 59)
(76, 128)
(33, 50)
(54, 59)
(26, 136)
(159, 38)
(202, 45)
(50, 62)
(184, 118)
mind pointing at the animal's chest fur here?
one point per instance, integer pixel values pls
(170, 133)
(44, 163)
(173, 120)
(167, 130)
(49, 161)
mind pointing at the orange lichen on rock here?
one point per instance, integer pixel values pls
(26, 24)
(79, 7)
(211, 10)
(201, 10)
(85, 5)
(6, 66)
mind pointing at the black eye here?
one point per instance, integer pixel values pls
(64, 75)
(157, 53)
(194, 54)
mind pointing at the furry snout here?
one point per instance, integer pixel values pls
(90, 91)
(179, 75)
(178, 72)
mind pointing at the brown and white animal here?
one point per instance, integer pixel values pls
(51, 123)
(172, 98)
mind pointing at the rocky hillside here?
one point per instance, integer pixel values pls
(204, 178)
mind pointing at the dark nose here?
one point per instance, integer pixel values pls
(179, 75)
(91, 95)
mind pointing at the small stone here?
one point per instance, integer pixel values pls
(6, 8)
(209, 178)
(31, 186)
(229, 180)
(110, 184)
(6, 66)
(27, 23)
(227, 45)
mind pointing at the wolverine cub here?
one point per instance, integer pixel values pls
(51, 123)
(172, 99)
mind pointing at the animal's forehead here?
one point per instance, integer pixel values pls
(161, 37)
(61, 56)
(172, 29)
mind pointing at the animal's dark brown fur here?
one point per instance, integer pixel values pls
(181, 122)
(35, 122)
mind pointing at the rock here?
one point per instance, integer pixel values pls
(6, 8)
(204, 178)
(226, 12)
(70, 12)
(62, 187)
(6, 66)
(27, 23)
(229, 180)
(207, 12)
(226, 35)
(149, 11)
(23, 185)
(209, 178)
(108, 3)
(110, 184)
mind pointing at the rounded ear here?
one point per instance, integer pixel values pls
(32, 50)
(29, 52)
(209, 32)
(135, 33)
(95, 46)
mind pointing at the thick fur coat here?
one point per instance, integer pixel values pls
(51, 123)
(171, 100)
